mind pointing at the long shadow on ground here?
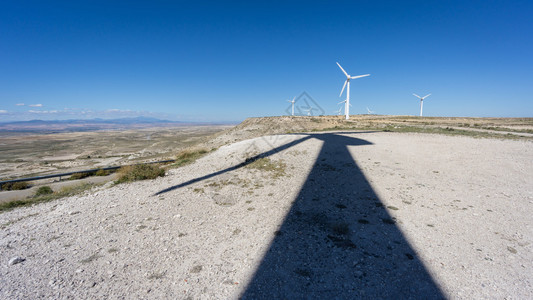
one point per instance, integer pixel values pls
(243, 164)
(338, 240)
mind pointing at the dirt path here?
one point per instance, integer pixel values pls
(502, 131)
(324, 215)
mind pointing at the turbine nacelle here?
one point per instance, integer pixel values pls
(344, 102)
(348, 77)
(422, 98)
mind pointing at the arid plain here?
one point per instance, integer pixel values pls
(34, 153)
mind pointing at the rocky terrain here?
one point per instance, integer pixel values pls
(344, 214)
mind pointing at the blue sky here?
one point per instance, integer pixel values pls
(226, 61)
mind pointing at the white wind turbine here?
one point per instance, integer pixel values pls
(421, 101)
(292, 103)
(347, 82)
(369, 111)
(344, 103)
(309, 110)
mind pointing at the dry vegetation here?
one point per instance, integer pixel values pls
(139, 172)
(15, 186)
(188, 156)
(275, 167)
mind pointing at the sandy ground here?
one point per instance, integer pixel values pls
(339, 215)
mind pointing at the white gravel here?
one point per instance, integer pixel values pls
(367, 215)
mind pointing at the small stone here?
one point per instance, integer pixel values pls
(74, 212)
(196, 269)
(79, 270)
(16, 260)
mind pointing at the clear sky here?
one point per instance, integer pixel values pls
(228, 60)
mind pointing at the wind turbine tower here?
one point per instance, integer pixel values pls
(347, 83)
(421, 101)
(292, 102)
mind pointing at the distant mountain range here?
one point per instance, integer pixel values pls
(135, 120)
(93, 124)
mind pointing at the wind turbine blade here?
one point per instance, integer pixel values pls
(417, 96)
(343, 88)
(341, 102)
(355, 77)
(343, 70)
(426, 96)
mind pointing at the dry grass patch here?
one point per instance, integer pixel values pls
(186, 157)
(139, 172)
(14, 186)
(81, 175)
(44, 190)
(275, 167)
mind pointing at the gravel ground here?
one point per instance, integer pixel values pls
(329, 215)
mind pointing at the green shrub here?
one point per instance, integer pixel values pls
(44, 190)
(12, 186)
(139, 172)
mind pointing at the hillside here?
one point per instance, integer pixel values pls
(346, 214)
(480, 127)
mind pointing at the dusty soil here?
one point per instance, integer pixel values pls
(27, 154)
(322, 215)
